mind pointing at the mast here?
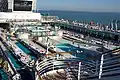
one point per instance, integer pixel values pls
(112, 25)
(34, 2)
(116, 25)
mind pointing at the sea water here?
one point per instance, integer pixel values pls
(98, 17)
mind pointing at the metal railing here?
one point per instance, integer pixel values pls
(70, 68)
(108, 66)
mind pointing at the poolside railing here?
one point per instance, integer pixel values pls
(73, 67)
(108, 66)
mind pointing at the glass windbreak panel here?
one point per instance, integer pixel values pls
(3, 5)
(22, 5)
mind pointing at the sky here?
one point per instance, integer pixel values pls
(80, 5)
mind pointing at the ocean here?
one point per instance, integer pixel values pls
(97, 17)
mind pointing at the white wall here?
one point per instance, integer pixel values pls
(34, 4)
(23, 36)
(19, 15)
(10, 4)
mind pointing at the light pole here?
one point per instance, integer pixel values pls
(101, 66)
(79, 70)
(116, 25)
(101, 63)
(47, 45)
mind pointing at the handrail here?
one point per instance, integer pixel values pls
(113, 51)
(78, 60)
(111, 62)
(112, 58)
(109, 70)
(48, 67)
(112, 66)
(51, 66)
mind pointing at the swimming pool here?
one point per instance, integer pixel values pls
(16, 63)
(25, 50)
(78, 52)
(3, 74)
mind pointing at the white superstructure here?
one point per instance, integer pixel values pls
(20, 13)
(10, 5)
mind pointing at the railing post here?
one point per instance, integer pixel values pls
(101, 65)
(79, 70)
(53, 64)
(47, 50)
(47, 45)
(97, 67)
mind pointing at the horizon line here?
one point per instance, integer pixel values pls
(80, 11)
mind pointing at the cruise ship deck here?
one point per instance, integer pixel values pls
(57, 56)
(38, 47)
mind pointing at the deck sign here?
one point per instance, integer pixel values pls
(22, 5)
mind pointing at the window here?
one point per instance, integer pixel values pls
(22, 5)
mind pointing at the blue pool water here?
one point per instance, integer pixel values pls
(70, 48)
(17, 65)
(76, 51)
(3, 75)
(25, 50)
